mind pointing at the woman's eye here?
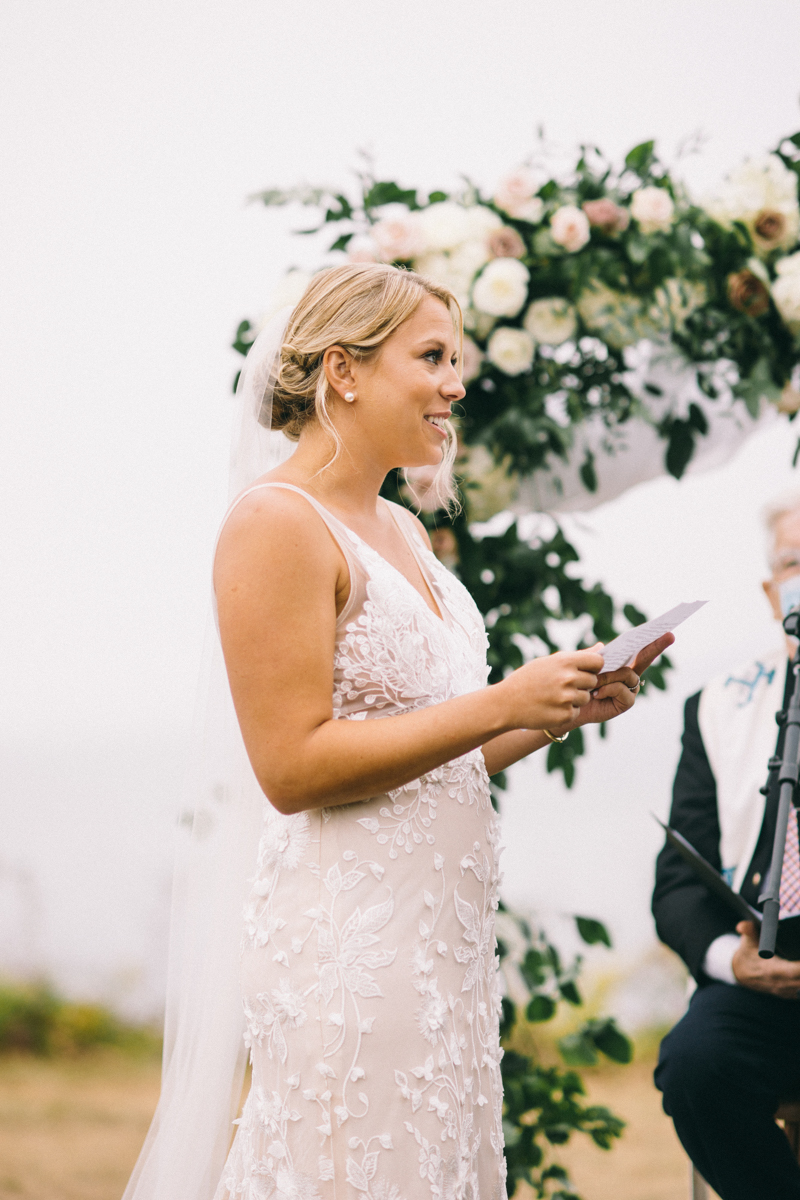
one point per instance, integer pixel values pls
(434, 355)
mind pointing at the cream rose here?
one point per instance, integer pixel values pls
(482, 222)
(516, 195)
(445, 225)
(653, 208)
(786, 291)
(449, 272)
(398, 233)
(569, 227)
(502, 288)
(551, 321)
(511, 350)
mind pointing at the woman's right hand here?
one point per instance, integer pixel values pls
(549, 692)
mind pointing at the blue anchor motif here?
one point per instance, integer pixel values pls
(750, 685)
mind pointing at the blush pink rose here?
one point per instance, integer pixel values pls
(516, 195)
(606, 215)
(569, 227)
(505, 243)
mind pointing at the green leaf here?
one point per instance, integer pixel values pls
(508, 1016)
(758, 385)
(592, 931)
(540, 1008)
(341, 243)
(437, 197)
(306, 195)
(697, 419)
(388, 192)
(680, 447)
(578, 1049)
(588, 473)
(640, 158)
(570, 993)
(613, 1042)
(633, 615)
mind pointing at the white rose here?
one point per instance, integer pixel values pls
(569, 227)
(551, 321)
(290, 289)
(502, 288)
(760, 188)
(445, 225)
(516, 195)
(448, 272)
(652, 207)
(398, 233)
(511, 350)
(786, 291)
(362, 248)
(472, 360)
(481, 221)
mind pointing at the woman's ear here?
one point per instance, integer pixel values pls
(338, 367)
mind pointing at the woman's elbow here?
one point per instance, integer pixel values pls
(288, 793)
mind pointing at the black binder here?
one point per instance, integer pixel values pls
(788, 943)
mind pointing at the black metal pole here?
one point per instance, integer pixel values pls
(788, 770)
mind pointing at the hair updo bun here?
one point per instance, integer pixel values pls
(356, 306)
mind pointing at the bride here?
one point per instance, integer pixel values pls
(357, 668)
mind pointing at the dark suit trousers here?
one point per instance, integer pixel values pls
(723, 1070)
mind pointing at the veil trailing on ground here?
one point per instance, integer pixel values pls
(204, 1053)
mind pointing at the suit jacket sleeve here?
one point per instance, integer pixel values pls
(688, 917)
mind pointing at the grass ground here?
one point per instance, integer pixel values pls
(70, 1129)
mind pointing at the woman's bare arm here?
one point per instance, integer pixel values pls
(277, 575)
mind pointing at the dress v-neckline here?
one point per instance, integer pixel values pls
(438, 616)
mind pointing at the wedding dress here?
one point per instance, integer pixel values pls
(368, 963)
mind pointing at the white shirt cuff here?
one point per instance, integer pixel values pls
(718, 962)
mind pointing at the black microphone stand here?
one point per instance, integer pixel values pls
(788, 769)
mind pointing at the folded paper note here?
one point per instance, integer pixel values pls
(625, 648)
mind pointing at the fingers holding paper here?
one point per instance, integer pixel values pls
(616, 691)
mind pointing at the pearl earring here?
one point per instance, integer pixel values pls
(349, 397)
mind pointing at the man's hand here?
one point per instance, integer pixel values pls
(776, 976)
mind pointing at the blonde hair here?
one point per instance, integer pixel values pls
(358, 307)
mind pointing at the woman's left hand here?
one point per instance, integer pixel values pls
(616, 691)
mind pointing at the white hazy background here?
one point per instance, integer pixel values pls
(131, 136)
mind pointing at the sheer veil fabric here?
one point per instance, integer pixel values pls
(204, 1052)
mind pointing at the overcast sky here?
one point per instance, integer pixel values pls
(131, 136)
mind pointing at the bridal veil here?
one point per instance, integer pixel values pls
(204, 1054)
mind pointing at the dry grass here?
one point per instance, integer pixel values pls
(71, 1130)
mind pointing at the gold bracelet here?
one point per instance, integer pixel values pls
(553, 738)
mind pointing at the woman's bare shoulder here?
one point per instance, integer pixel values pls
(269, 523)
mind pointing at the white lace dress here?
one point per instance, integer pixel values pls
(368, 967)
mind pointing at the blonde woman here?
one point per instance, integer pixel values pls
(357, 666)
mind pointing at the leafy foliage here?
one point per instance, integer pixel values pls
(34, 1019)
(543, 1104)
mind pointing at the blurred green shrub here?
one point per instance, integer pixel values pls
(34, 1019)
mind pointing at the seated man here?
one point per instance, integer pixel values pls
(735, 1055)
